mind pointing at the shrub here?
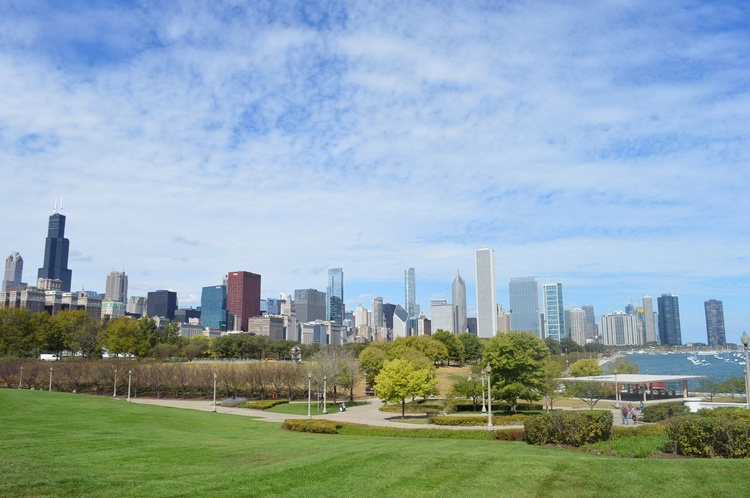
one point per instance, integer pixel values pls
(708, 437)
(263, 405)
(314, 426)
(509, 435)
(726, 412)
(232, 402)
(478, 420)
(663, 411)
(575, 428)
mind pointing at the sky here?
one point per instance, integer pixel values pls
(600, 144)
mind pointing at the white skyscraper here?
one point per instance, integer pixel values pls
(459, 304)
(117, 287)
(578, 326)
(442, 315)
(486, 293)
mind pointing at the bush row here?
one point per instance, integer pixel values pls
(569, 427)
(663, 411)
(478, 420)
(350, 429)
(263, 405)
(706, 436)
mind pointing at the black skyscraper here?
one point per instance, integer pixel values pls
(161, 303)
(56, 253)
(669, 319)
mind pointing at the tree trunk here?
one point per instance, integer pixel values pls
(403, 407)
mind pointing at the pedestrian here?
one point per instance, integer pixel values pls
(624, 412)
(634, 415)
(640, 407)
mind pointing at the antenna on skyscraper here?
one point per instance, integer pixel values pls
(54, 211)
(62, 199)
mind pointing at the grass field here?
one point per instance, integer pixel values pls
(73, 445)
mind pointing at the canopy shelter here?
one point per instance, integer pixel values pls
(646, 382)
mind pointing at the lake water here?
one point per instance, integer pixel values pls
(679, 364)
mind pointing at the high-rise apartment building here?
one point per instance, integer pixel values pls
(214, 307)
(715, 331)
(649, 327)
(669, 319)
(56, 248)
(458, 299)
(620, 329)
(410, 293)
(335, 301)
(161, 303)
(577, 325)
(377, 312)
(117, 287)
(243, 296)
(13, 272)
(554, 315)
(523, 294)
(486, 293)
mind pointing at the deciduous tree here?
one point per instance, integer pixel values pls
(400, 379)
(585, 367)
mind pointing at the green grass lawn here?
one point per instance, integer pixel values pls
(57, 444)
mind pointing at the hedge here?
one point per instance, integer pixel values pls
(575, 428)
(263, 405)
(314, 426)
(708, 437)
(478, 420)
(663, 411)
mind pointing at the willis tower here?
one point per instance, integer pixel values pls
(56, 253)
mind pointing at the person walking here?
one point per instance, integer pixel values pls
(634, 415)
(624, 412)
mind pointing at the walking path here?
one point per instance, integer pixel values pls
(367, 414)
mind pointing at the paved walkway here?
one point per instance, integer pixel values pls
(368, 414)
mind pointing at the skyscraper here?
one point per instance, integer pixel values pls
(486, 293)
(554, 315)
(335, 301)
(214, 307)
(310, 305)
(715, 332)
(590, 323)
(13, 272)
(578, 326)
(649, 328)
(410, 293)
(523, 296)
(669, 319)
(56, 249)
(161, 303)
(458, 301)
(442, 315)
(377, 312)
(243, 296)
(621, 329)
(117, 287)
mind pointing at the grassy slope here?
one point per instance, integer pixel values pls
(71, 445)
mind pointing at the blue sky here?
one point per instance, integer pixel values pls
(601, 144)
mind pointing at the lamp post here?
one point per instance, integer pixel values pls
(50, 379)
(488, 371)
(130, 372)
(617, 393)
(746, 342)
(214, 405)
(114, 391)
(20, 379)
(325, 408)
(309, 394)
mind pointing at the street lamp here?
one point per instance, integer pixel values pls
(50, 379)
(325, 408)
(114, 392)
(20, 379)
(745, 342)
(481, 379)
(130, 372)
(309, 394)
(214, 406)
(617, 392)
(488, 371)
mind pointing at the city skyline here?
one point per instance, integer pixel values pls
(415, 134)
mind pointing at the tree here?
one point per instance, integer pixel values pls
(590, 392)
(432, 348)
(400, 379)
(553, 345)
(623, 366)
(371, 362)
(17, 335)
(550, 389)
(473, 347)
(470, 388)
(569, 345)
(594, 347)
(456, 350)
(517, 362)
(710, 388)
(125, 336)
(586, 367)
(733, 386)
